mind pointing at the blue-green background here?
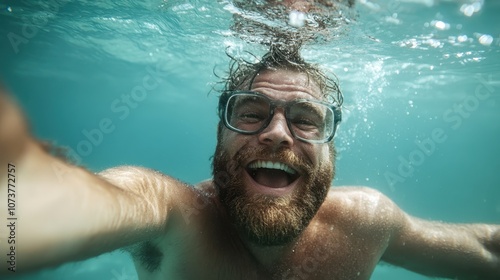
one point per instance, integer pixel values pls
(399, 72)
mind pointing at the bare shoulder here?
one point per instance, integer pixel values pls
(357, 196)
(362, 206)
(206, 186)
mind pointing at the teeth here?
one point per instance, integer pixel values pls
(272, 165)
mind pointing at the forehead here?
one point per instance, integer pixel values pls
(286, 84)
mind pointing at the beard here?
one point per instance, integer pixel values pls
(268, 220)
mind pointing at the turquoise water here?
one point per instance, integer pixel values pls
(421, 83)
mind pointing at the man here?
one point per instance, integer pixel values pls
(268, 212)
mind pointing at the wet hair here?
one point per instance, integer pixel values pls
(242, 74)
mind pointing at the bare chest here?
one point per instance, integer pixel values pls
(341, 256)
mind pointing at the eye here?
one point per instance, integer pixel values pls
(305, 123)
(250, 117)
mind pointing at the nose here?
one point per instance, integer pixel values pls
(277, 134)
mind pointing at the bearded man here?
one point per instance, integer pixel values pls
(269, 211)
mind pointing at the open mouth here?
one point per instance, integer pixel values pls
(272, 174)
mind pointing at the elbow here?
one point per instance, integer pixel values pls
(496, 241)
(493, 246)
(496, 249)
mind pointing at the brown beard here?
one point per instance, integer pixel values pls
(267, 220)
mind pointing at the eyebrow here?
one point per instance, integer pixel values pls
(314, 109)
(288, 88)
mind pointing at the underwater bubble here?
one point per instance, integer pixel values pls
(441, 25)
(472, 8)
(485, 39)
(296, 19)
(467, 10)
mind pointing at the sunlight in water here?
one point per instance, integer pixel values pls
(407, 68)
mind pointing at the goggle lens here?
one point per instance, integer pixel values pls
(308, 120)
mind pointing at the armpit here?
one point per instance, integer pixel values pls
(147, 254)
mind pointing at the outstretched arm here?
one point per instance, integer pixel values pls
(468, 251)
(65, 213)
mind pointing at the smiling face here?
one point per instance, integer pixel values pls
(273, 183)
